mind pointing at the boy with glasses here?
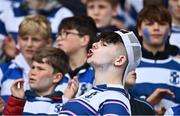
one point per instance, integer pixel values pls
(75, 37)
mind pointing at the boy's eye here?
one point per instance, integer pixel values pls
(102, 6)
(40, 68)
(90, 6)
(149, 23)
(24, 38)
(104, 44)
(36, 39)
(32, 67)
(37, 68)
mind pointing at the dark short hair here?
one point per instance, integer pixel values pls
(55, 57)
(154, 13)
(110, 37)
(85, 25)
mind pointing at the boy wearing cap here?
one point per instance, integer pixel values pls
(110, 59)
(48, 68)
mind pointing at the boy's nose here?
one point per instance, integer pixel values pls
(156, 25)
(29, 42)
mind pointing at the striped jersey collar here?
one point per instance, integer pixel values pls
(113, 87)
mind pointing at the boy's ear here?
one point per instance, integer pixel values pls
(57, 77)
(121, 60)
(85, 40)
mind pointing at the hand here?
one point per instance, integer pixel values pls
(2, 104)
(72, 88)
(17, 88)
(131, 79)
(159, 94)
(118, 24)
(9, 46)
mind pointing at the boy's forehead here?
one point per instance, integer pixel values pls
(68, 29)
(110, 2)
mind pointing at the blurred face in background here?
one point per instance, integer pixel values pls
(69, 41)
(29, 44)
(37, 4)
(174, 8)
(101, 11)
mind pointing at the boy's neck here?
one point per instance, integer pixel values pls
(29, 61)
(45, 92)
(77, 59)
(108, 76)
(154, 49)
(176, 21)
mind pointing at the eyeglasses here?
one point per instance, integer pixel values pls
(64, 34)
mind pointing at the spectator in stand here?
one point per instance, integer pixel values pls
(12, 18)
(112, 58)
(34, 33)
(158, 71)
(174, 8)
(48, 68)
(103, 11)
(75, 37)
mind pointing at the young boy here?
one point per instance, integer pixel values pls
(112, 57)
(103, 11)
(48, 67)
(75, 37)
(34, 33)
(158, 72)
(11, 18)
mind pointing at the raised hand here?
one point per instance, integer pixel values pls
(17, 88)
(131, 79)
(72, 88)
(158, 95)
(9, 47)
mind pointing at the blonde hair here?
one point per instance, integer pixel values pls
(35, 24)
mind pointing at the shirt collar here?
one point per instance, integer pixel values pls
(21, 62)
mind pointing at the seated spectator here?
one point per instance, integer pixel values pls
(111, 58)
(158, 71)
(12, 18)
(103, 11)
(175, 35)
(48, 67)
(75, 37)
(34, 33)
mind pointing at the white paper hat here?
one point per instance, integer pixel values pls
(133, 49)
